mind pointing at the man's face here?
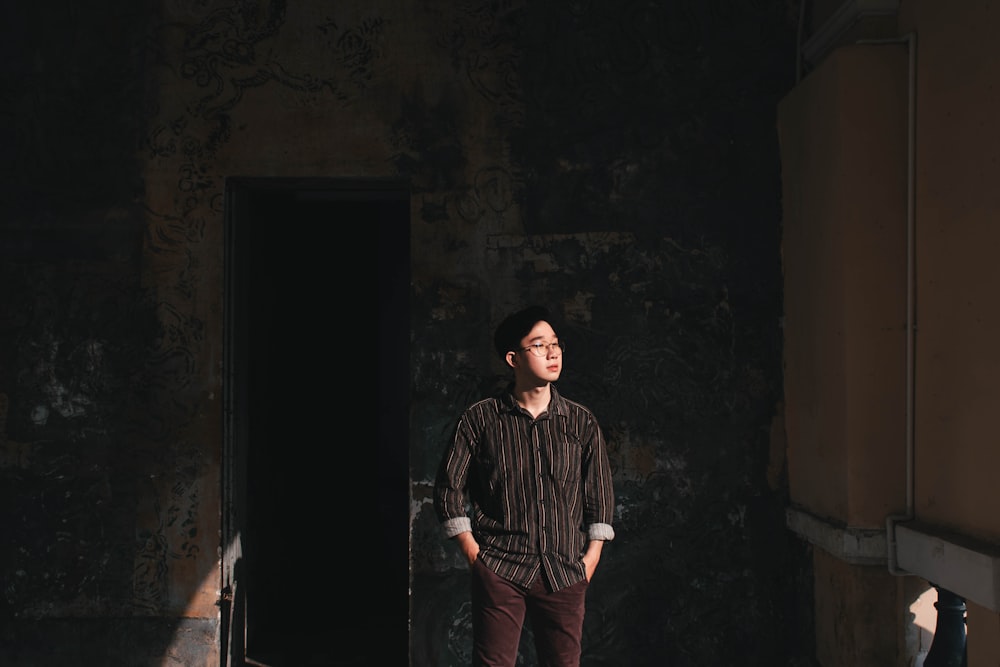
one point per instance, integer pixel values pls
(539, 360)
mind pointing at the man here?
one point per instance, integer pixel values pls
(534, 467)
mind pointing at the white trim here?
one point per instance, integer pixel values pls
(859, 546)
(847, 14)
(967, 567)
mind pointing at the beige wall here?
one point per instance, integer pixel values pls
(958, 204)
(957, 358)
(843, 136)
(844, 131)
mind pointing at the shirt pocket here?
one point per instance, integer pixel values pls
(565, 456)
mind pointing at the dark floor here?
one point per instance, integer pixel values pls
(336, 640)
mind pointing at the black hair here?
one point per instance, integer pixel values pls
(516, 326)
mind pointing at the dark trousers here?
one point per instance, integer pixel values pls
(498, 613)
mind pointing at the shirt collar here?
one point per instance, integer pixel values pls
(557, 404)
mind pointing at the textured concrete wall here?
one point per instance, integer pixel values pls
(617, 162)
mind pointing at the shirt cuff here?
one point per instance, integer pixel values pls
(601, 531)
(453, 527)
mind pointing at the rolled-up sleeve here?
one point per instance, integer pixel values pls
(598, 488)
(452, 478)
(599, 531)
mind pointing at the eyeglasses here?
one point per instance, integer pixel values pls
(542, 349)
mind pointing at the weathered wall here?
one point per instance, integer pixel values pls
(617, 162)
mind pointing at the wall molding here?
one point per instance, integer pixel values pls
(966, 566)
(963, 565)
(858, 546)
(828, 36)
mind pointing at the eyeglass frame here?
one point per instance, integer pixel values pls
(536, 348)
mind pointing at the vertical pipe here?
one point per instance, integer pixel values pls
(892, 559)
(910, 39)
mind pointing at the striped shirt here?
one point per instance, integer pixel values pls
(539, 488)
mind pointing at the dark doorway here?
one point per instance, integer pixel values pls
(318, 483)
